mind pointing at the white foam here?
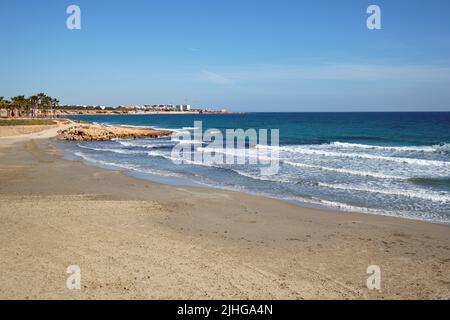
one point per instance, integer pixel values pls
(183, 141)
(102, 162)
(185, 161)
(345, 171)
(135, 126)
(159, 154)
(120, 151)
(420, 194)
(387, 148)
(246, 153)
(351, 208)
(413, 161)
(154, 144)
(125, 166)
(214, 165)
(258, 177)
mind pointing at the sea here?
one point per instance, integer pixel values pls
(395, 164)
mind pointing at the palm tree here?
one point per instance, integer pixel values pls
(47, 102)
(40, 102)
(28, 107)
(18, 105)
(6, 104)
(8, 108)
(34, 105)
(3, 104)
(44, 102)
(55, 104)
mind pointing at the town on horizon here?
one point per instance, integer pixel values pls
(142, 109)
(41, 105)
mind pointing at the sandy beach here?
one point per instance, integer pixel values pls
(134, 239)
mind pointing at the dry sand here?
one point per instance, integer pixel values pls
(8, 131)
(135, 239)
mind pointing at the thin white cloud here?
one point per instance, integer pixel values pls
(216, 78)
(336, 72)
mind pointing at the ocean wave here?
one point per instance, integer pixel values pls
(146, 146)
(125, 166)
(218, 166)
(103, 162)
(315, 152)
(345, 207)
(247, 153)
(424, 216)
(259, 177)
(121, 151)
(185, 161)
(440, 148)
(182, 129)
(425, 194)
(182, 141)
(159, 154)
(135, 126)
(340, 206)
(345, 171)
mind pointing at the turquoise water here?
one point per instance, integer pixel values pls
(381, 163)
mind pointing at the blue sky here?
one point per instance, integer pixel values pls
(244, 55)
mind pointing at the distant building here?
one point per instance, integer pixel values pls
(164, 108)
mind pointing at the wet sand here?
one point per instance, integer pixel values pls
(134, 239)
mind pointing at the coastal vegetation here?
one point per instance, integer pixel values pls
(36, 106)
(26, 122)
(43, 106)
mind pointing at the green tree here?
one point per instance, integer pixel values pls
(34, 105)
(55, 105)
(19, 105)
(44, 103)
(6, 104)
(2, 103)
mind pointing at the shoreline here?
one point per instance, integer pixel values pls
(185, 238)
(299, 203)
(318, 203)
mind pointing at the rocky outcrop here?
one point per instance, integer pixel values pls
(105, 133)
